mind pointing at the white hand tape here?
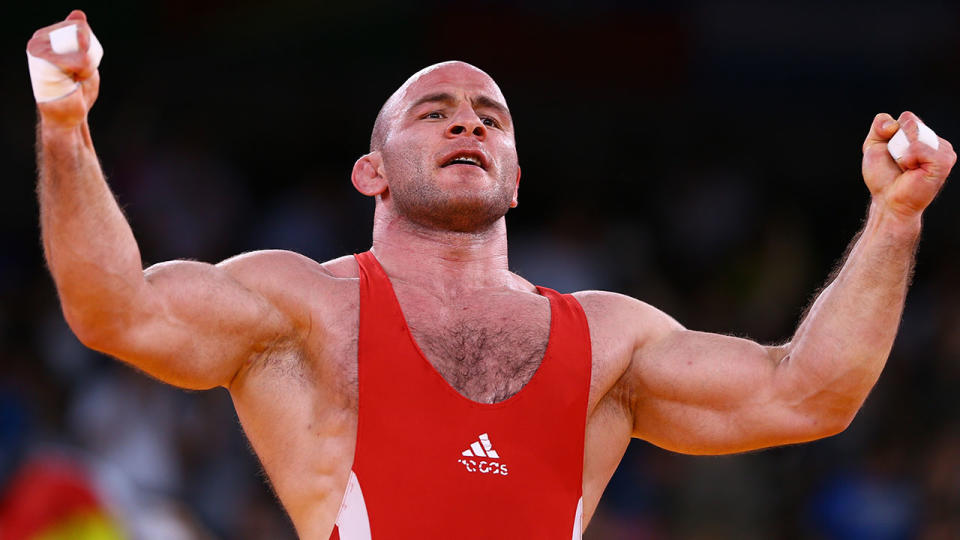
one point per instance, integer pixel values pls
(64, 40)
(927, 136)
(49, 81)
(897, 145)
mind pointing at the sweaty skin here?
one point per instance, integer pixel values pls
(279, 330)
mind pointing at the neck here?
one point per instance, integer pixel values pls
(442, 262)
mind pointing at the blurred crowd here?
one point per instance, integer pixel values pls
(705, 160)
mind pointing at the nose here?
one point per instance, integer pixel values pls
(466, 122)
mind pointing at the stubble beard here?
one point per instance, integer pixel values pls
(418, 199)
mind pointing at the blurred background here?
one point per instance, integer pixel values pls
(703, 157)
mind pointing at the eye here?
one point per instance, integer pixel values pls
(490, 121)
(434, 115)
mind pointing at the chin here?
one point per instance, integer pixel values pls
(461, 218)
(462, 208)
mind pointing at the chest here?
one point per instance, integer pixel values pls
(487, 347)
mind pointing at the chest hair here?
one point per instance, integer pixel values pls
(486, 356)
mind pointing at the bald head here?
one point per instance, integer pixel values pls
(394, 104)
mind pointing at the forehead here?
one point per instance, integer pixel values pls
(455, 78)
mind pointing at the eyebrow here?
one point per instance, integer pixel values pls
(480, 101)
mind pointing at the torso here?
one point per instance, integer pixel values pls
(298, 403)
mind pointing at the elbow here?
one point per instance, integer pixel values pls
(838, 425)
(831, 423)
(94, 332)
(105, 322)
(88, 334)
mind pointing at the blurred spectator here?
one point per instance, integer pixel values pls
(52, 497)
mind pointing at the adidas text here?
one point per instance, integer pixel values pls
(484, 467)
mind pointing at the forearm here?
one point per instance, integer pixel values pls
(843, 342)
(89, 246)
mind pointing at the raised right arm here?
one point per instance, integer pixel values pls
(187, 323)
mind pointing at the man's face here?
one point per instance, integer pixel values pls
(449, 157)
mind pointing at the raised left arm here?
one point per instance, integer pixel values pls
(702, 393)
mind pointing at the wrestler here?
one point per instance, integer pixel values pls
(421, 389)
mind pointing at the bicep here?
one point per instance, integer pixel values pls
(703, 393)
(194, 324)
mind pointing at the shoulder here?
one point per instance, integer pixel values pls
(268, 261)
(284, 267)
(260, 270)
(615, 314)
(293, 282)
(620, 326)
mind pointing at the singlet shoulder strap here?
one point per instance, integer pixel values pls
(572, 328)
(571, 337)
(375, 287)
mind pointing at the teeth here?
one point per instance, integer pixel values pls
(467, 159)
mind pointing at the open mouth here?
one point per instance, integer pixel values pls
(472, 158)
(463, 161)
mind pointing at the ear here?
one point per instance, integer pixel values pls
(516, 188)
(368, 176)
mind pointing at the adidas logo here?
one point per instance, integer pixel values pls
(482, 448)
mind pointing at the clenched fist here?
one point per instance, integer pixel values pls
(909, 184)
(63, 69)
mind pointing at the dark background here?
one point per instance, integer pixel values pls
(704, 158)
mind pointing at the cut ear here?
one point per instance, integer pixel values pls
(516, 189)
(368, 175)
